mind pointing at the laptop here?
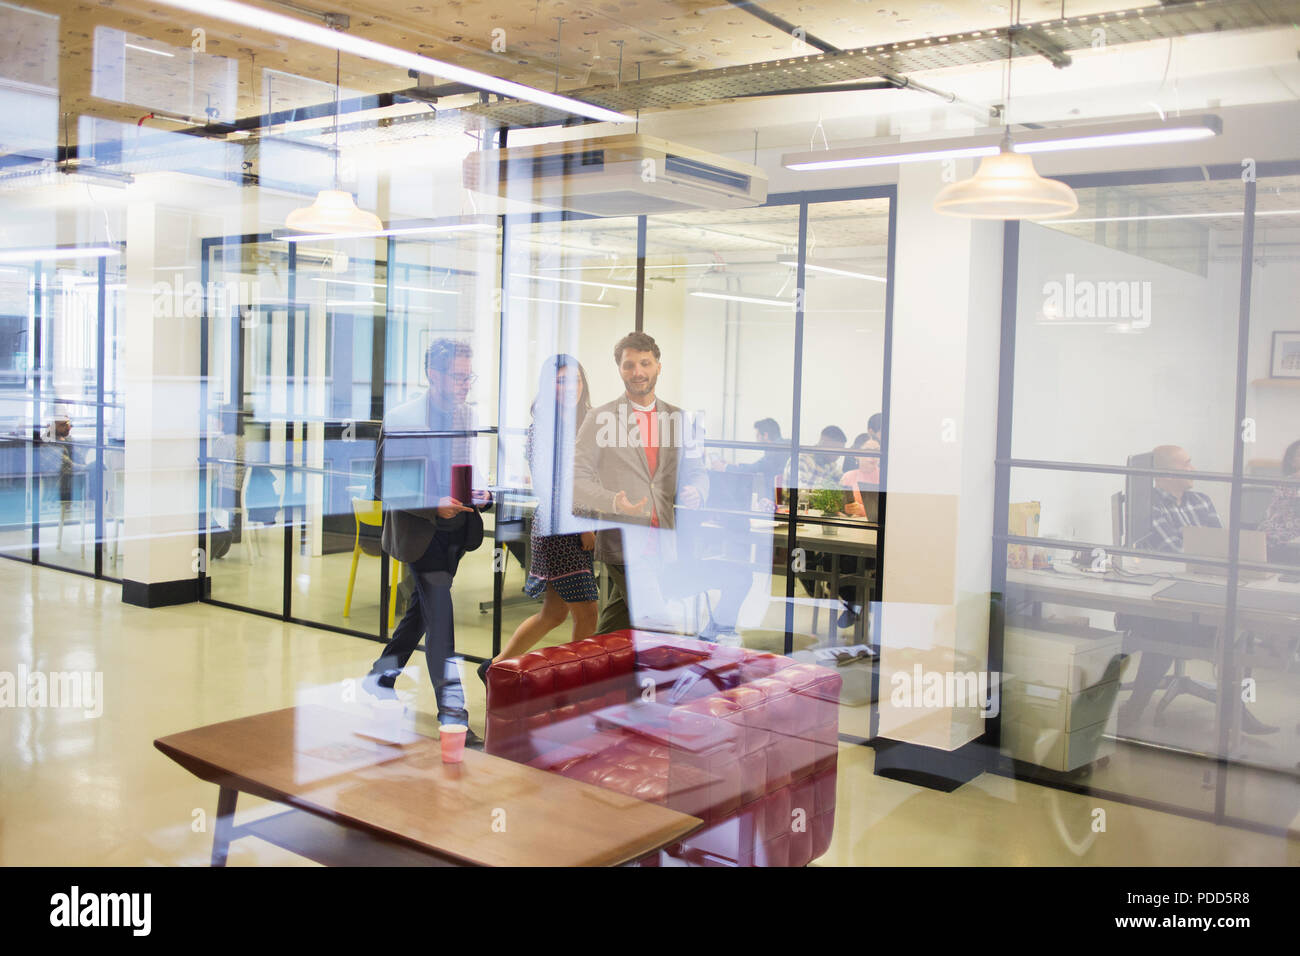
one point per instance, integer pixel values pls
(730, 490)
(1213, 543)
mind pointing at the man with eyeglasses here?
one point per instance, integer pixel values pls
(425, 526)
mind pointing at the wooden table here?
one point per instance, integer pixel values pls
(397, 802)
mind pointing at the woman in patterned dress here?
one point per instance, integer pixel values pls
(560, 566)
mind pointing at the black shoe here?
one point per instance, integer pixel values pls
(482, 671)
(1250, 724)
(380, 686)
(473, 741)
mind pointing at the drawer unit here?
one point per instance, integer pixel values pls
(1054, 708)
(1056, 749)
(1070, 662)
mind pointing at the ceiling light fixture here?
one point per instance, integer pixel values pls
(1006, 186)
(380, 285)
(599, 285)
(793, 262)
(379, 233)
(258, 18)
(756, 300)
(334, 210)
(145, 49)
(1058, 139)
(57, 253)
(1182, 215)
(589, 305)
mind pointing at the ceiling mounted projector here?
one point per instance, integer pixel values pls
(622, 175)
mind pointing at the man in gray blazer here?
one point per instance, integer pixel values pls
(425, 526)
(635, 462)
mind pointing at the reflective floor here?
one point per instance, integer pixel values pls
(93, 791)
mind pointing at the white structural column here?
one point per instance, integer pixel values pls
(942, 443)
(161, 366)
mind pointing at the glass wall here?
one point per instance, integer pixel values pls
(1148, 425)
(311, 343)
(60, 403)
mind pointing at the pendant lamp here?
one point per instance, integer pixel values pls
(334, 212)
(1007, 186)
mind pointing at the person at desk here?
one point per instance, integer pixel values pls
(1174, 506)
(771, 466)
(1281, 524)
(820, 469)
(636, 462)
(425, 526)
(561, 548)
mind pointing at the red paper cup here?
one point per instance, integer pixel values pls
(452, 737)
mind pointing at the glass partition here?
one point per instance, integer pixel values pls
(1147, 432)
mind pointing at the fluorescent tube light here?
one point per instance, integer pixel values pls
(145, 49)
(589, 305)
(380, 285)
(58, 252)
(598, 285)
(372, 304)
(398, 231)
(1150, 137)
(756, 300)
(910, 155)
(1184, 215)
(829, 270)
(1131, 133)
(258, 18)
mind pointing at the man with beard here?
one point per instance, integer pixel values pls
(636, 461)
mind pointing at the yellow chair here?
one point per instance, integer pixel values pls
(371, 513)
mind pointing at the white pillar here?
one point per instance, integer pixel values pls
(161, 367)
(942, 444)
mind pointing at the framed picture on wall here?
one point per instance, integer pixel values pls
(1286, 355)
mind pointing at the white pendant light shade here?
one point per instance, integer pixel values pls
(333, 213)
(1006, 186)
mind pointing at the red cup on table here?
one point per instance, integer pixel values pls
(452, 738)
(461, 484)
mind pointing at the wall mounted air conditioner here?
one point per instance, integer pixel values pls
(624, 175)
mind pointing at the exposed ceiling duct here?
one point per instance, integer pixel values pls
(1052, 39)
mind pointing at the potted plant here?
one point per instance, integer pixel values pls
(830, 502)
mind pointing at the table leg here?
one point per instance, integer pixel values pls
(225, 823)
(834, 635)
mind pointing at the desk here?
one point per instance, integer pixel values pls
(317, 760)
(852, 538)
(1166, 599)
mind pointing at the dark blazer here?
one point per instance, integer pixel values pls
(413, 471)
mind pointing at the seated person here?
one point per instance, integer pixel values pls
(818, 469)
(1281, 522)
(1174, 506)
(822, 470)
(866, 471)
(772, 465)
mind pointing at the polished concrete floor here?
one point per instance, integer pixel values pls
(93, 791)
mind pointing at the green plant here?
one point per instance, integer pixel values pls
(828, 501)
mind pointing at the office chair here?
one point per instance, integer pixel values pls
(245, 512)
(371, 513)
